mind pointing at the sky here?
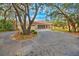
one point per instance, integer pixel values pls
(40, 16)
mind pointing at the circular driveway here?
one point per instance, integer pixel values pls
(51, 43)
(47, 43)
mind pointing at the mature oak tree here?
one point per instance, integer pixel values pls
(25, 9)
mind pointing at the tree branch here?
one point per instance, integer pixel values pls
(6, 12)
(20, 8)
(28, 13)
(65, 15)
(36, 8)
(17, 13)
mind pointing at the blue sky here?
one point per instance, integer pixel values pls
(40, 16)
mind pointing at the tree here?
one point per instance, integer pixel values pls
(31, 20)
(4, 8)
(26, 10)
(23, 26)
(63, 9)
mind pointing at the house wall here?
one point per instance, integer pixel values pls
(44, 27)
(35, 26)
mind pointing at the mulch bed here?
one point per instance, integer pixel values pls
(19, 36)
(74, 33)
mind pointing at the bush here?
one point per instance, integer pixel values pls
(7, 26)
(34, 32)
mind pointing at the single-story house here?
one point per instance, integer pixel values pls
(39, 25)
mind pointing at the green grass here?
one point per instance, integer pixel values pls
(60, 29)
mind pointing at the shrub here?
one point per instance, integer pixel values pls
(34, 32)
(7, 26)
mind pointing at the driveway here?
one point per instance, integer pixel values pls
(47, 43)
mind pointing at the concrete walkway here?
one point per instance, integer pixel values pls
(47, 43)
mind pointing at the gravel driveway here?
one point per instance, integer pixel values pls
(47, 43)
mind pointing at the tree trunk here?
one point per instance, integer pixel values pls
(69, 27)
(29, 29)
(20, 20)
(73, 27)
(4, 16)
(63, 27)
(24, 32)
(16, 21)
(24, 24)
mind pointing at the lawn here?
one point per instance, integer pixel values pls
(60, 29)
